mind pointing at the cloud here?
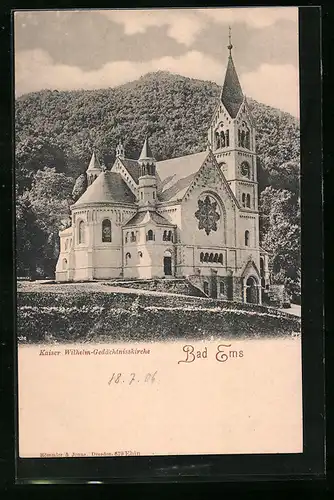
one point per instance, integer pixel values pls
(184, 25)
(256, 17)
(275, 85)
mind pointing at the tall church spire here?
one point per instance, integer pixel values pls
(231, 96)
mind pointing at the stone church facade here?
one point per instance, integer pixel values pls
(193, 217)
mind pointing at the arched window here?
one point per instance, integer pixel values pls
(220, 258)
(211, 257)
(140, 254)
(201, 257)
(227, 138)
(106, 231)
(64, 263)
(247, 142)
(127, 258)
(133, 237)
(243, 198)
(206, 257)
(243, 136)
(222, 139)
(248, 200)
(247, 238)
(222, 288)
(217, 137)
(150, 235)
(206, 287)
(81, 235)
(215, 259)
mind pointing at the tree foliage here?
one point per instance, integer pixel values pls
(56, 133)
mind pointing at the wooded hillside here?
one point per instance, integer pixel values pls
(56, 133)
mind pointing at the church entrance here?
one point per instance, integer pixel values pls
(214, 284)
(252, 291)
(168, 264)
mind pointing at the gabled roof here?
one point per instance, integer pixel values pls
(176, 175)
(107, 188)
(232, 96)
(94, 163)
(132, 167)
(144, 217)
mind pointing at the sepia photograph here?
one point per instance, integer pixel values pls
(157, 186)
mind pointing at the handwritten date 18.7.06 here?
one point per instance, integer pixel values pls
(133, 378)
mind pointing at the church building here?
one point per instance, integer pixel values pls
(193, 217)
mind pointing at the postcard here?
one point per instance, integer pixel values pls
(157, 169)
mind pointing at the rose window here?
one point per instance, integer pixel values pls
(207, 214)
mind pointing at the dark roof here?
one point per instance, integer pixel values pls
(176, 175)
(146, 216)
(232, 96)
(132, 167)
(109, 187)
(146, 151)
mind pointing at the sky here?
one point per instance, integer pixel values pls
(92, 49)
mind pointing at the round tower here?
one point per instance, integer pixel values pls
(94, 169)
(147, 182)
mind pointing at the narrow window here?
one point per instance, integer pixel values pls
(211, 257)
(227, 138)
(243, 199)
(215, 259)
(220, 258)
(201, 257)
(126, 237)
(170, 236)
(206, 257)
(222, 139)
(141, 195)
(153, 195)
(248, 200)
(150, 235)
(246, 238)
(106, 231)
(133, 237)
(222, 288)
(206, 287)
(81, 232)
(127, 258)
(164, 237)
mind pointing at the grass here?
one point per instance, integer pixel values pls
(97, 312)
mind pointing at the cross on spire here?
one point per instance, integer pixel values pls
(230, 46)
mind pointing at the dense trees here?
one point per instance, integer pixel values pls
(57, 131)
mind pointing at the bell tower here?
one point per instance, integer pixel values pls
(147, 182)
(232, 138)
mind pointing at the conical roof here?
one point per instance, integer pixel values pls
(146, 152)
(232, 96)
(94, 163)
